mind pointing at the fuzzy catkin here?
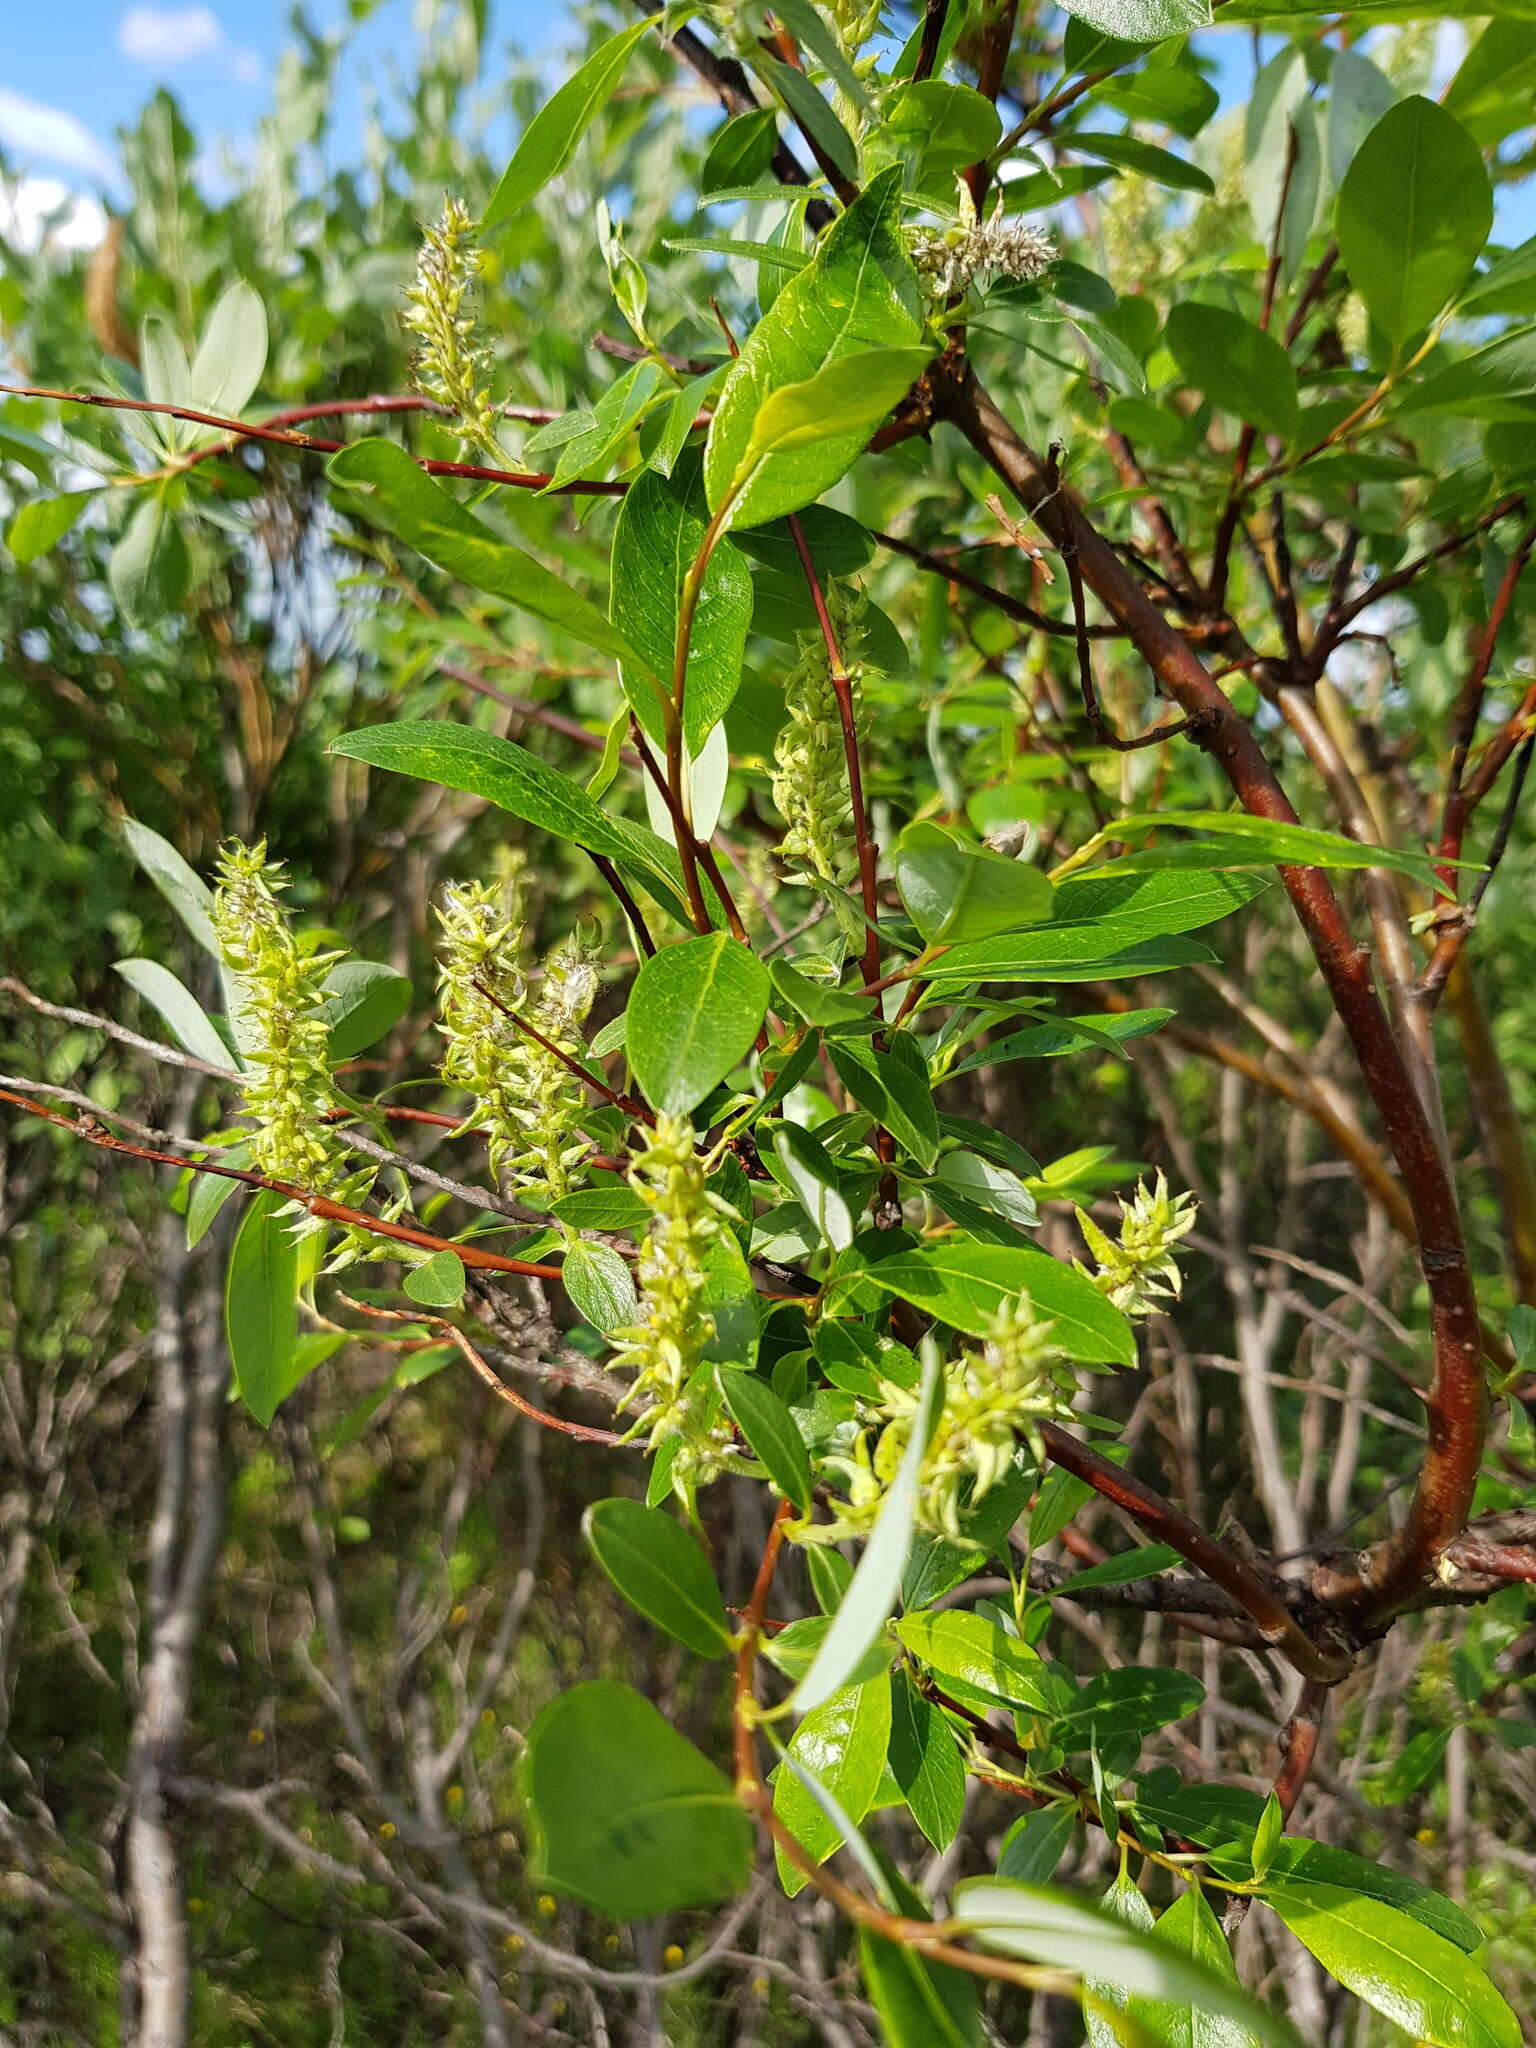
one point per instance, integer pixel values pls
(810, 775)
(450, 364)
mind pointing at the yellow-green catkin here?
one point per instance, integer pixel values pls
(285, 1036)
(1138, 1273)
(528, 1103)
(450, 363)
(810, 775)
(666, 1346)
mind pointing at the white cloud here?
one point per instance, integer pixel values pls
(34, 129)
(167, 36)
(33, 210)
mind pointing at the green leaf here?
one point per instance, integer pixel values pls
(189, 1023)
(954, 891)
(599, 1284)
(1133, 1700)
(181, 886)
(210, 1191)
(549, 141)
(1123, 1901)
(1237, 365)
(1396, 1965)
(42, 523)
(1130, 153)
(364, 999)
(852, 395)
(1142, 21)
(415, 507)
(261, 1290)
(1099, 917)
(693, 1014)
(608, 1208)
(843, 1744)
(1177, 99)
(1050, 1041)
(818, 1002)
(994, 1188)
(1493, 383)
(1409, 1771)
(1122, 1570)
(876, 1582)
(967, 1285)
(149, 568)
(1267, 840)
(813, 34)
(858, 292)
(811, 110)
(660, 1570)
(1413, 213)
(627, 1816)
(925, 1762)
(920, 2004)
(1490, 90)
(1043, 1925)
(1191, 1930)
(967, 1651)
(894, 1095)
(941, 127)
(793, 1650)
(771, 1435)
(463, 757)
(230, 357)
(660, 526)
(438, 1282)
(810, 1171)
(741, 151)
(1035, 1844)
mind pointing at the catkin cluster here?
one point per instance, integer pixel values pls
(527, 1102)
(280, 1008)
(810, 775)
(450, 364)
(949, 260)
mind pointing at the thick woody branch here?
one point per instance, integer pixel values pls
(1456, 1401)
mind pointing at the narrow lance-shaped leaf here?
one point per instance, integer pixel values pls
(551, 137)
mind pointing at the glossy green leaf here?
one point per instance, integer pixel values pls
(1268, 840)
(858, 292)
(1493, 383)
(810, 1171)
(819, 1002)
(896, 1097)
(843, 1743)
(1124, 1902)
(966, 1650)
(1130, 153)
(1430, 1989)
(809, 30)
(925, 1762)
(793, 1649)
(418, 510)
(966, 1285)
(1122, 1570)
(1040, 1924)
(463, 757)
(876, 1581)
(920, 2004)
(189, 1023)
(261, 1291)
(1051, 1041)
(741, 151)
(810, 110)
(42, 523)
(660, 526)
(365, 999)
(599, 1284)
(1133, 1700)
(1413, 213)
(940, 126)
(693, 1014)
(1236, 364)
(771, 1435)
(626, 1815)
(1142, 21)
(1491, 87)
(851, 395)
(549, 141)
(1191, 1930)
(954, 891)
(991, 1187)
(607, 1208)
(1035, 1844)
(660, 1570)
(185, 890)
(438, 1282)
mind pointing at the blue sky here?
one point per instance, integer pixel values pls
(63, 92)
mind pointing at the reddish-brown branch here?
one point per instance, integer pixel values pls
(311, 444)
(1456, 1403)
(95, 1133)
(627, 1105)
(1168, 1524)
